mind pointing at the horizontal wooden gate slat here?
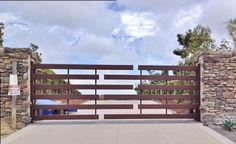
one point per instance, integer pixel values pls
(167, 87)
(159, 67)
(85, 106)
(59, 117)
(148, 116)
(167, 106)
(116, 97)
(60, 96)
(148, 97)
(147, 77)
(89, 67)
(63, 76)
(40, 86)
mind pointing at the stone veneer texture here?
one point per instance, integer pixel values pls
(218, 87)
(23, 57)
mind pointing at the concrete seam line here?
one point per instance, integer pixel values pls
(117, 134)
(219, 137)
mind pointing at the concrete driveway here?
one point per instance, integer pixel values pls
(116, 132)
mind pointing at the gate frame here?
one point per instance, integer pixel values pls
(95, 97)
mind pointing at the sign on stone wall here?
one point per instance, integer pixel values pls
(14, 88)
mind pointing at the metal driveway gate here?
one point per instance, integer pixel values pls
(175, 88)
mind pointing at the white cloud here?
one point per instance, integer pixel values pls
(95, 45)
(216, 14)
(15, 27)
(159, 6)
(187, 17)
(137, 25)
(10, 19)
(105, 50)
(7, 17)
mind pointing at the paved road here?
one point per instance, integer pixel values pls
(108, 132)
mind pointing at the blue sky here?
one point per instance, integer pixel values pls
(121, 32)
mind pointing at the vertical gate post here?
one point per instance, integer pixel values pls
(95, 91)
(141, 91)
(198, 80)
(68, 91)
(32, 71)
(166, 91)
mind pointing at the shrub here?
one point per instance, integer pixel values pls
(228, 125)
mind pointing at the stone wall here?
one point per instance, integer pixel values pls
(23, 57)
(218, 87)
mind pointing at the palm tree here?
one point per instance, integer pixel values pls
(231, 26)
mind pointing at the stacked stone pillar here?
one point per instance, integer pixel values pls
(23, 57)
(218, 87)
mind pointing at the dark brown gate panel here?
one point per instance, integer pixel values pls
(187, 73)
(179, 91)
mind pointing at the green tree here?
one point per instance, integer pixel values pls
(35, 53)
(1, 34)
(154, 82)
(193, 43)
